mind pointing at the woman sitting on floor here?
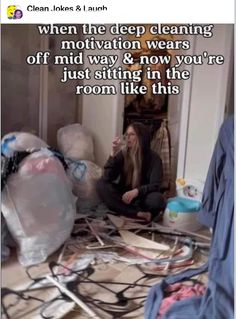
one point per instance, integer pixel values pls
(132, 176)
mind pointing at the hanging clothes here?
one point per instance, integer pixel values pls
(218, 211)
(161, 145)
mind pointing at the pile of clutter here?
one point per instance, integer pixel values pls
(105, 269)
(42, 189)
(109, 267)
(49, 204)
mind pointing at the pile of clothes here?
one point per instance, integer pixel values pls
(217, 212)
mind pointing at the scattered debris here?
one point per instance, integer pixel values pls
(106, 269)
(138, 241)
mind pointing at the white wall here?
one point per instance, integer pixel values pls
(102, 114)
(207, 101)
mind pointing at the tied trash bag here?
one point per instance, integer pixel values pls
(84, 175)
(20, 141)
(75, 142)
(38, 206)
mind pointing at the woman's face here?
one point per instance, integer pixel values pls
(131, 137)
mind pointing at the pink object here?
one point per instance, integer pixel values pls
(179, 292)
(43, 164)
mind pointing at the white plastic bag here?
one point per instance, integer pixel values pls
(20, 141)
(39, 207)
(75, 142)
(84, 176)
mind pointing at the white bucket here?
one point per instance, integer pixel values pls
(182, 213)
(181, 220)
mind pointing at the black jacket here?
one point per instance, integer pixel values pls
(152, 172)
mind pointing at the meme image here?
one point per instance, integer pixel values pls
(117, 170)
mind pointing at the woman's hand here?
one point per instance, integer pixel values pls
(129, 196)
(116, 146)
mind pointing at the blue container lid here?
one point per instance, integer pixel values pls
(185, 205)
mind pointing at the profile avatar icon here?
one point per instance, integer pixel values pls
(10, 11)
(17, 14)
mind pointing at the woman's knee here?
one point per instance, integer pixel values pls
(155, 201)
(105, 189)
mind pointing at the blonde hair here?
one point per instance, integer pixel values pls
(133, 165)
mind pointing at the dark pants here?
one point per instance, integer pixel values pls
(111, 195)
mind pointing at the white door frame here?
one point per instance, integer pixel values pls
(184, 118)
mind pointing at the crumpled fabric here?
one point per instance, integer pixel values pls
(177, 292)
